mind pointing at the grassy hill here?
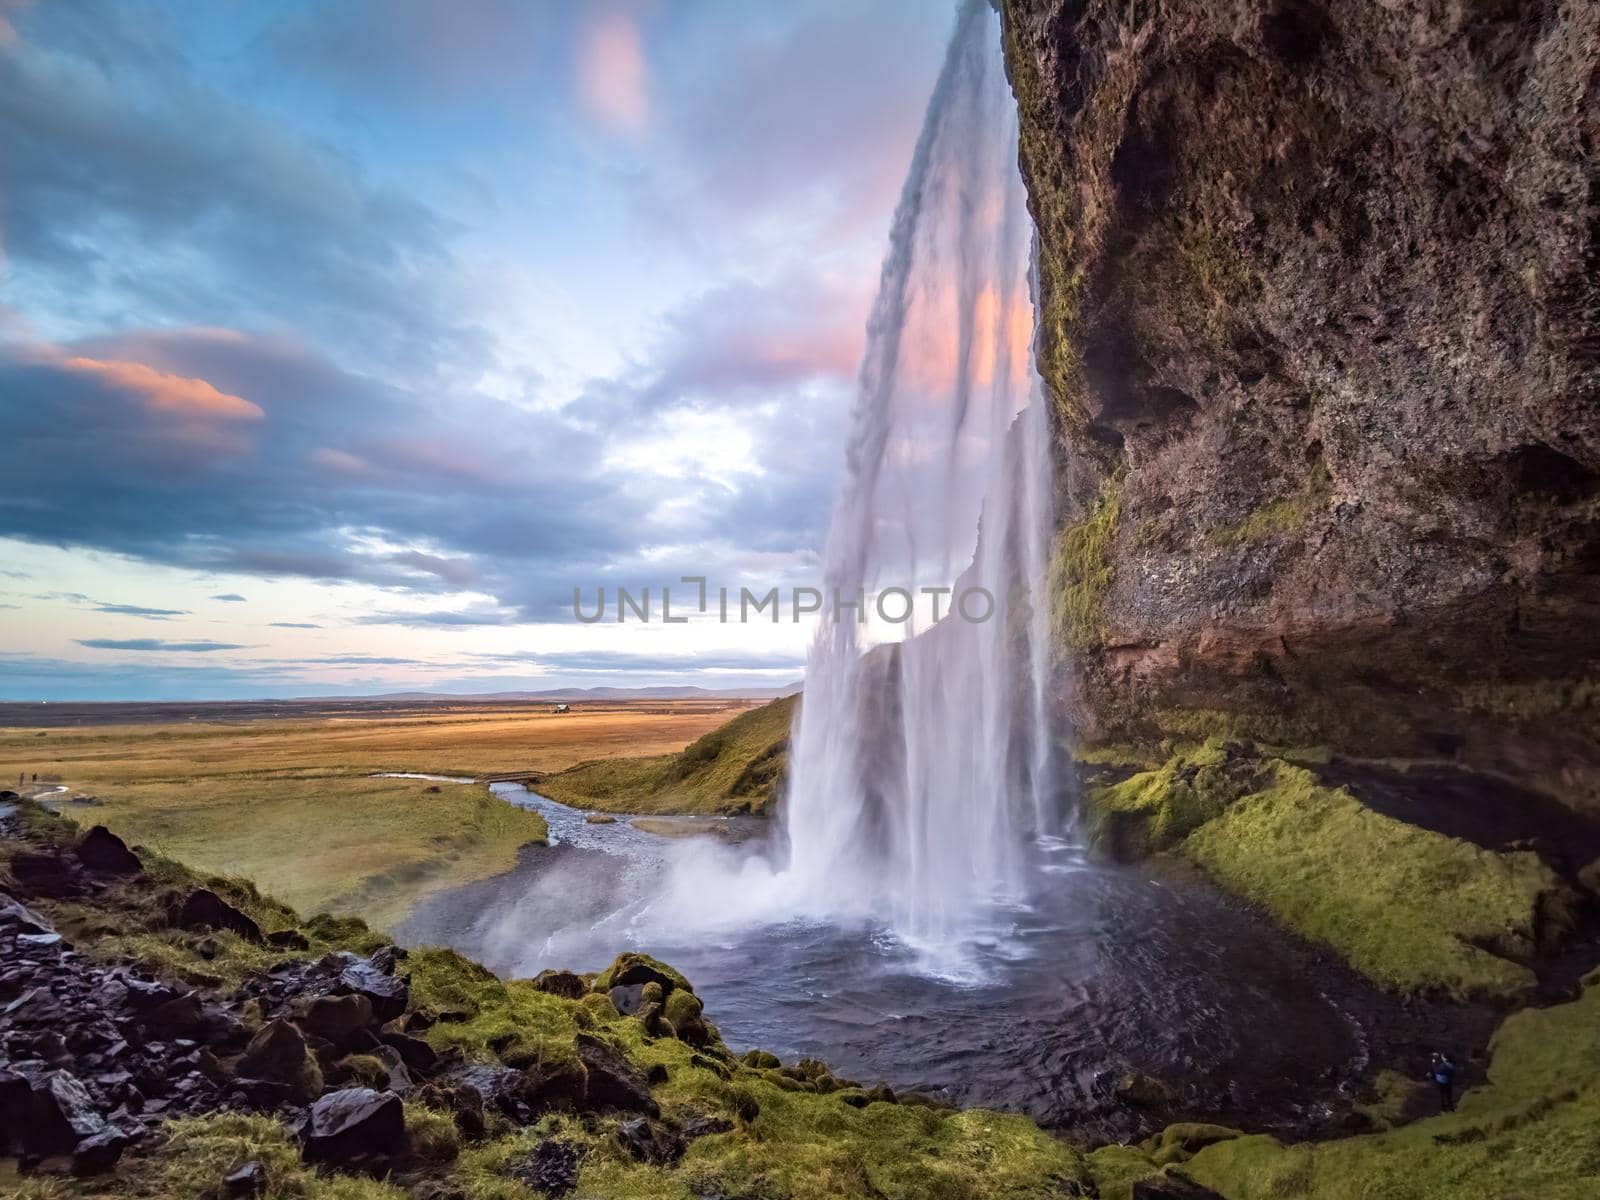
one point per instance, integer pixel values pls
(737, 767)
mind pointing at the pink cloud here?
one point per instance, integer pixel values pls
(613, 80)
(161, 392)
(339, 462)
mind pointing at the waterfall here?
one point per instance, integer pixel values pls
(919, 768)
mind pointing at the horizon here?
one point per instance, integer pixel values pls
(345, 387)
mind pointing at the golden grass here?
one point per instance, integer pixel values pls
(291, 804)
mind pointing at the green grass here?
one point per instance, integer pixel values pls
(1410, 908)
(363, 846)
(735, 768)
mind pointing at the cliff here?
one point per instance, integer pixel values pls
(1320, 316)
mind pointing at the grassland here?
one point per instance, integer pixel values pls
(293, 805)
(737, 767)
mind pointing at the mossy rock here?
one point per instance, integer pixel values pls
(1155, 810)
(630, 968)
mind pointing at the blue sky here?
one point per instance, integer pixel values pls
(339, 342)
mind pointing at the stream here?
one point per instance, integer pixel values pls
(1102, 971)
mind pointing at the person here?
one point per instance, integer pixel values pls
(1444, 1078)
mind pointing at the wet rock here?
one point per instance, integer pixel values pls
(104, 853)
(39, 941)
(248, 1181)
(288, 939)
(552, 1168)
(626, 998)
(1172, 1187)
(353, 1127)
(386, 993)
(58, 1114)
(388, 958)
(1144, 1090)
(649, 1142)
(17, 918)
(99, 1152)
(560, 983)
(204, 909)
(613, 1081)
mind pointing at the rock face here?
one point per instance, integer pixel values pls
(1320, 317)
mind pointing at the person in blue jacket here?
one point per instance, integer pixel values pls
(1443, 1070)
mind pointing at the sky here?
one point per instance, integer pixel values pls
(339, 343)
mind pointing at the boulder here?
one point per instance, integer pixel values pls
(354, 1127)
(337, 1019)
(278, 1053)
(56, 1116)
(560, 983)
(683, 1012)
(611, 1080)
(104, 853)
(634, 968)
(387, 994)
(288, 939)
(649, 1142)
(204, 909)
(414, 1052)
(99, 1152)
(463, 1103)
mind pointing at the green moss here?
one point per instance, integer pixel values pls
(1529, 1132)
(513, 1014)
(431, 1135)
(1397, 1100)
(737, 767)
(1156, 809)
(1408, 907)
(1081, 571)
(1283, 517)
(1115, 1169)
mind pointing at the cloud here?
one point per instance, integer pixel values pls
(157, 644)
(441, 619)
(452, 570)
(293, 625)
(613, 78)
(230, 598)
(163, 393)
(135, 610)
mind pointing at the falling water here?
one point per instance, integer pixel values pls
(920, 763)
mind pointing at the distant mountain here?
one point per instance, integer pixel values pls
(570, 694)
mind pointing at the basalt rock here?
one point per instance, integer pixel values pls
(204, 909)
(386, 993)
(561, 983)
(650, 1142)
(104, 853)
(1318, 311)
(354, 1127)
(611, 1081)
